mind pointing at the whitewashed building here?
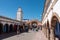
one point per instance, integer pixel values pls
(51, 19)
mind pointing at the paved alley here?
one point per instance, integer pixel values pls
(31, 35)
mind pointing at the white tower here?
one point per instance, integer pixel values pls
(19, 14)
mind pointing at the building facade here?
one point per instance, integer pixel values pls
(8, 25)
(11, 25)
(51, 19)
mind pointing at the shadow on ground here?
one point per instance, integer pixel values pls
(6, 35)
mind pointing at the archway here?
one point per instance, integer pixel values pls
(1, 28)
(21, 28)
(11, 28)
(6, 28)
(34, 24)
(55, 28)
(15, 28)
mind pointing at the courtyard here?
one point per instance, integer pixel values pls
(31, 35)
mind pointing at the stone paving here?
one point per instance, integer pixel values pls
(31, 35)
(40, 36)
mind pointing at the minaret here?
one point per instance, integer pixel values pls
(19, 14)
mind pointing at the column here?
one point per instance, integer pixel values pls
(46, 30)
(52, 36)
(48, 34)
(17, 29)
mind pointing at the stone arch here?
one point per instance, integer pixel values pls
(11, 28)
(34, 22)
(56, 15)
(54, 21)
(1, 28)
(22, 28)
(55, 18)
(6, 27)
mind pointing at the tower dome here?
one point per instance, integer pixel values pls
(19, 9)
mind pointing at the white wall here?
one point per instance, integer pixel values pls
(19, 14)
(50, 16)
(56, 8)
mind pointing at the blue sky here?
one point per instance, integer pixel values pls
(32, 9)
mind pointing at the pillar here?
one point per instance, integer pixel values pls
(17, 29)
(46, 30)
(48, 34)
(52, 35)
